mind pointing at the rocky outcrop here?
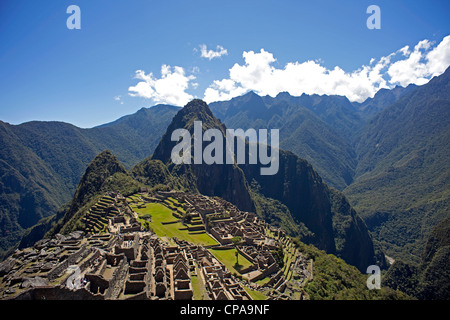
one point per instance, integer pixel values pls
(334, 226)
(225, 181)
(301, 189)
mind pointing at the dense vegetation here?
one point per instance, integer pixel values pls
(104, 173)
(402, 185)
(429, 279)
(41, 163)
(393, 168)
(302, 131)
(336, 280)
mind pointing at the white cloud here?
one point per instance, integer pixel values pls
(221, 90)
(118, 98)
(170, 88)
(211, 54)
(411, 69)
(258, 74)
(407, 65)
(421, 64)
(311, 77)
(438, 59)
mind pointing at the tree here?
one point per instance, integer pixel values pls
(236, 240)
(278, 255)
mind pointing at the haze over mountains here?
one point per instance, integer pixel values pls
(388, 155)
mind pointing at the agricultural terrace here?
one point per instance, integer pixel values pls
(228, 258)
(164, 220)
(290, 253)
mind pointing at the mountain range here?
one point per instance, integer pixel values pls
(401, 185)
(41, 163)
(385, 160)
(295, 198)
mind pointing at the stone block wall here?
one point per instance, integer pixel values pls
(62, 267)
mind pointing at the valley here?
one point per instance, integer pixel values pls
(359, 186)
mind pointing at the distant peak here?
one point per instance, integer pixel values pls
(283, 94)
(251, 93)
(196, 106)
(196, 103)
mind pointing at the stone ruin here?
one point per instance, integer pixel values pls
(126, 262)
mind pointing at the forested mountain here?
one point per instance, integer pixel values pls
(382, 99)
(430, 279)
(41, 163)
(402, 179)
(313, 131)
(295, 196)
(393, 167)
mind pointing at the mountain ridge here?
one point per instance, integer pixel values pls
(401, 182)
(309, 133)
(296, 185)
(42, 162)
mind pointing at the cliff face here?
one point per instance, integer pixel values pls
(352, 239)
(332, 224)
(225, 181)
(301, 189)
(335, 226)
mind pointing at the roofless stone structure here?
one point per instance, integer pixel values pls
(114, 258)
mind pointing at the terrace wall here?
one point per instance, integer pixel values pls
(62, 267)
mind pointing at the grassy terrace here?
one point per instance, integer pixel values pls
(228, 258)
(256, 295)
(161, 214)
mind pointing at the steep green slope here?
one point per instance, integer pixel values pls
(60, 146)
(382, 99)
(41, 163)
(435, 265)
(333, 279)
(403, 175)
(316, 132)
(104, 173)
(29, 189)
(430, 280)
(296, 194)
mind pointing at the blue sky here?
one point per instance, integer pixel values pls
(113, 64)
